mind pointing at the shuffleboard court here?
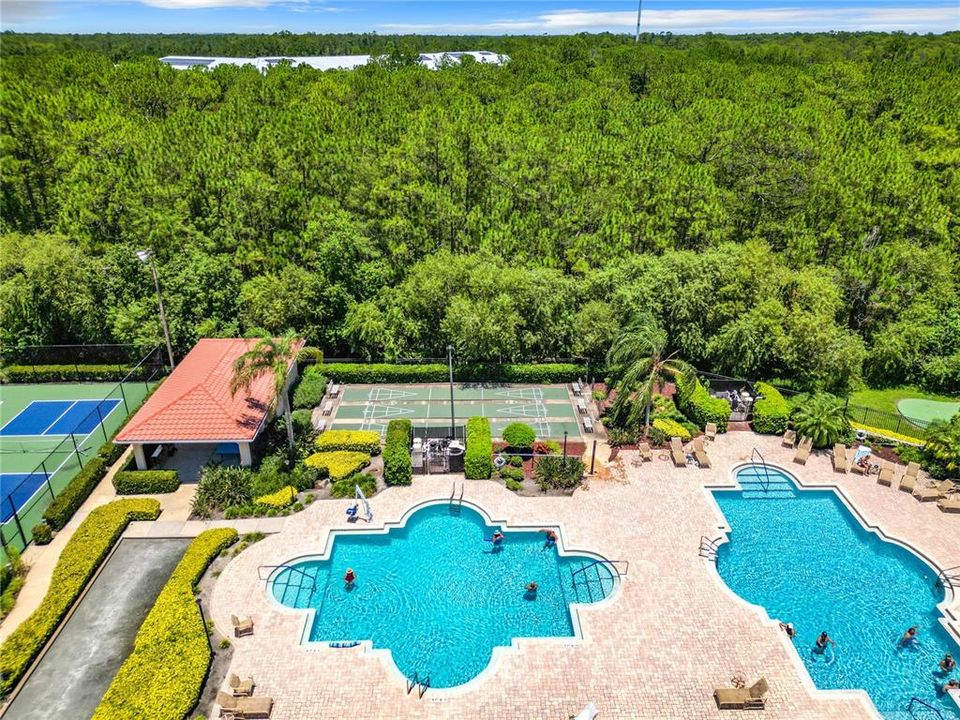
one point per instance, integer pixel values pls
(409, 393)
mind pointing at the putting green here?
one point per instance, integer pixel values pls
(927, 410)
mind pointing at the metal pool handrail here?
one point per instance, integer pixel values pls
(763, 463)
(313, 580)
(611, 563)
(708, 548)
(925, 704)
(943, 577)
(416, 682)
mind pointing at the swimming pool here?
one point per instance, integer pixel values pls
(804, 557)
(436, 594)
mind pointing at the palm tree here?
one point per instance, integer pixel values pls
(944, 443)
(823, 419)
(640, 365)
(272, 356)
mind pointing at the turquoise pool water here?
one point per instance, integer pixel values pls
(804, 557)
(436, 595)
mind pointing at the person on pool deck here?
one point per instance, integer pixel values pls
(948, 663)
(497, 538)
(789, 629)
(823, 640)
(532, 587)
(349, 577)
(909, 636)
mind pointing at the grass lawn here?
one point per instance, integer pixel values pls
(886, 400)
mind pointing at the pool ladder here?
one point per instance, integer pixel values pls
(950, 575)
(765, 483)
(708, 548)
(421, 684)
(924, 704)
(456, 501)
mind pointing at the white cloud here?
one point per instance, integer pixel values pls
(921, 19)
(13, 12)
(197, 4)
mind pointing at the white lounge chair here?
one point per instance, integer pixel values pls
(588, 713)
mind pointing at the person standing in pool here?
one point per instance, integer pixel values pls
(349, 578)
(823, 640)
(532, 588)
(909, 637)
(497, 539)
(948, 663)
(551, 537)
(789, 629)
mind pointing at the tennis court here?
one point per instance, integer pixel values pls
(47, 432)
(545, 407)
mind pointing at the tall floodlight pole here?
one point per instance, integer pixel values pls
(453, 432)
(146, 257)
(639, 8)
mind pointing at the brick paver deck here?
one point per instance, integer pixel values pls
(670, 635)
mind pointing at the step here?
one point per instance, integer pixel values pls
(769, 495)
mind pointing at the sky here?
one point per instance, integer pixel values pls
(486, 17)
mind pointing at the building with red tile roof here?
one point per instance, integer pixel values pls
(194, 404)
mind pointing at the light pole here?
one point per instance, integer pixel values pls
(203, 619)
(639, 8)
(146, 257)
(453, 431)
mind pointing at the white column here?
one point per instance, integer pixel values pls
(140, 457)
(246, 457)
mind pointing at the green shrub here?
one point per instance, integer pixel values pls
(145, 482)
(771, 413)
(310, 390)
(59, 512)
(516, 461)
(559, 473)
(519, 435)
(397, 466)
(302, 422)
(514, 485)
(338, 464)
(670, 429)
(547, 447)
(80, 558)
(544, 373)
(478, 460)
(42, 534)
(164, 674)
(280, 499)
(68, 373)
(346, 488)
(823, 419)
(511, 473)
(221, 487)
(111, 452)
(619, 436)
(699, 405)
(12, 576)
(365, 441)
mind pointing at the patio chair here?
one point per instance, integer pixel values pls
(751, 698)
(789, 439)
(700, 453)
(913, 470)
(710, 431)
(803, 451)
(242, 627)
(929, 493)
(950, 503)
(840, 458)
(241, 687)
(886, 474)
(908, 483)
(646, 454)
(676, 452)
(242, 708)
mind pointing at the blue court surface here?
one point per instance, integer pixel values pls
(58, 417)
(19, 486)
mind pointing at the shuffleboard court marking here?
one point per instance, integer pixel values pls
(389, 393)
(531, 410)
(375, 411)
(533, 393)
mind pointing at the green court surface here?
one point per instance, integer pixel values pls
(39, 458)
(546, 407)
(927, 410)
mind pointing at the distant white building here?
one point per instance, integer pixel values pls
(431, 61)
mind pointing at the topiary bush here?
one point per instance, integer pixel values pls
(699, 405)
(397, 465)
(670, 429)
(478, 461)
(338, 464)
(519, 435)
(164, 674)
(145, 482)
(80, 558)
(365, 441)
(771, 414)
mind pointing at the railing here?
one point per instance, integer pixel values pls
(948, 575)
(456, 502)
(881, 420)
(763, 463)
(421, 684)
(708, 548)
(925, 704)
(271, 568)
(613, 564)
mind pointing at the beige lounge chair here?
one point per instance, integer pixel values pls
(908, 483)
(676, 452)
(242, 627)
(913, 470)
(751, 698)
(244, 708)
(789, 439)
(929, 493)
(950, 503)
(840, 458)
(241, 687)
(803, 451)
(646, 454)
(886, 474)
(710, 431)
(700, 453)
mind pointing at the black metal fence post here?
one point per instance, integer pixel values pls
(16, 519)
(46, 476)
(593, 457)
(77, 451)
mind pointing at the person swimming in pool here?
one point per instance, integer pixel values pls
(948, 663)
(949, 685)
(910, 636)
(789, 629)
(532, 588)
(823, 640)
(551, 537)
(497, 539)
(349, 577)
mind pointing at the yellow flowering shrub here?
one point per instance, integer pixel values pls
(671, 428)
(279, 499)
(338, 464)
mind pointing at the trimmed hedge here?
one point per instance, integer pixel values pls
(772, 413)
(59, 512)
(397, 466)
(365, 441)
(80, 558)
(146, 482)
(310, 390)
(63, 373)
(671, 428)
(542, 373)
(339, 463)
(164, 674)
(478, 460)
(699, 405)
(519, 435)
(280, 499)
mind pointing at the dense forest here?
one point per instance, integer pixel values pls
(785, 206)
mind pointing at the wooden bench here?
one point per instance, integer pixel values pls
(327, 407)
(588, 423)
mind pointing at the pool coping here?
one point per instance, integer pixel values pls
(385, 655)
(947, 617)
